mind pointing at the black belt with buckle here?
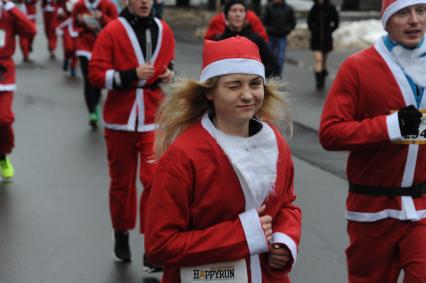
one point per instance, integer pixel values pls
(414, 191)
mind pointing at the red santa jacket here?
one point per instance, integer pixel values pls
(86, 37)
(208, 215)
(12, 22)
(117, 49)
(218, 22)
(28, 7)
(357, 117)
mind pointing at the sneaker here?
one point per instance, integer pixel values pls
(6, 168)
(93, 120)
(27, 60)
(98, 111)
(149, 267)
(121, 247)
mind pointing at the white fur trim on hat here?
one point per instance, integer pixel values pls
(233, 66)
(396, 6)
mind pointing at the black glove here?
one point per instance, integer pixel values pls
(409, 119)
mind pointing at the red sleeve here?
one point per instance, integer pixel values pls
(257, 25)
(339, 127)
(287, 222)
(216, 27)
(169, 241)
(101, 60)
(23, 26)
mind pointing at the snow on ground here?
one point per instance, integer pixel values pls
(349, 35)
(358, 35)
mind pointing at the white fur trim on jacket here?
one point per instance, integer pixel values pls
(412, 61)
(392, 124)
(233, 66)
(255, 236)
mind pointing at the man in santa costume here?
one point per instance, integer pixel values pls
(66, 31)
(28, 7)
(49, 8)
(376, 110)
(132, 57)
(218, 24)
(89, 17)
(224, 181)
(12, 22)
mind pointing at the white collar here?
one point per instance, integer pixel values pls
(254, 160)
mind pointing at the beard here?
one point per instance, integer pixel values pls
(413, 62)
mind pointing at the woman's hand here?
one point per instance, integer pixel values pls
(279, 256)
(266, 222)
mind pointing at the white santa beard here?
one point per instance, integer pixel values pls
(411, 62)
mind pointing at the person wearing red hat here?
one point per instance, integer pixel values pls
(218, 24)
(376, 110)
(133, 56)
(224, 181)
(12, 22)
(89, 17)
(49, 8)
(236, 13)
(28, 7)
(68, 34)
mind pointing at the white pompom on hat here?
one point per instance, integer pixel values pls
(390, 7)
(234, 55)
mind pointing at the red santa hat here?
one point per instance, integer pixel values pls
(234, 55)
(390, 7)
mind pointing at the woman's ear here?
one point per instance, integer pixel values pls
(209, 95)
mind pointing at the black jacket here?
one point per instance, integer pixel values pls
(279, 19)
(268, 59)
(323, 20)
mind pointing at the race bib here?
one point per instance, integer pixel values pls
(2, 38)
(223, 272)
(417, 139)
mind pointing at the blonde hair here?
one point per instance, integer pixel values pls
(186, 103)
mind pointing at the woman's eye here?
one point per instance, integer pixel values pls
(256, 84)
(233, 87)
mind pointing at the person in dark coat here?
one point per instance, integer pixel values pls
(323, 20)
(235, 12)
(279, 20)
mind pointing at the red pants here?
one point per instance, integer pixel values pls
(378, 251)
(26, 43)
(49, 29)
(6, 119)
(124, 150)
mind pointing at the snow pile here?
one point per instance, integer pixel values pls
(349, 35)
(299, 5)
(358, 35)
